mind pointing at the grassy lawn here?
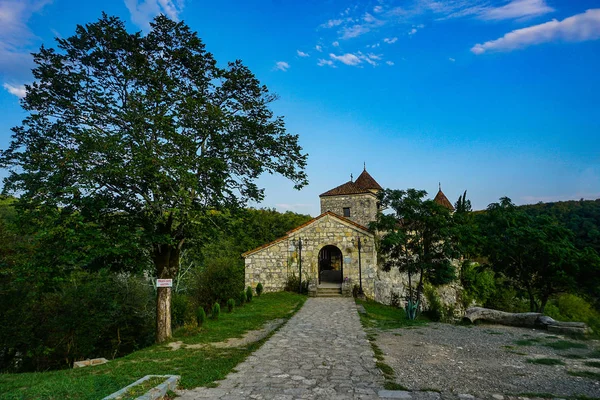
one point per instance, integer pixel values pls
(197, 367)
(386, 317)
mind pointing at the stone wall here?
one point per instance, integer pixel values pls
(363, 207)
(395, 282)
(273, 264)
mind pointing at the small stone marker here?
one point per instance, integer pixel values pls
(88, 362)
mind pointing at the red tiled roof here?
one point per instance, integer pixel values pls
(442, 200)
(366, 181)
(364, 184)
(287, 235)
(347, 188)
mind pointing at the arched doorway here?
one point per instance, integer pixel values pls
(330, 265)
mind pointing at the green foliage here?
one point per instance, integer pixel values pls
(217, 281)
(182, 310)
(158, 136)
(200, 315)
(418, 239)
(386, 317)
(242, 297)
(355, 290)
(230, 305)
(88, 315)
(292, 283)
(536, 253)
(436, 310)
(565, 345)
(248, 294)
(259, 289)
(216, 310)
(478, 282)
(572, 308)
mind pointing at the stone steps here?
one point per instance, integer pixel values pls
(329, 292)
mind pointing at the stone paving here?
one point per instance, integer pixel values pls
(321, 353)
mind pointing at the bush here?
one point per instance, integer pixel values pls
(248, 294)
(200, 316)
(230, 305)
(86, 315)
(436, 310)
(242, 297)
(216, 310)
(182, 310)
(292, 283)
(355, 290)
(219, 279)
(478, 282)
(259, 289)
(572, 308)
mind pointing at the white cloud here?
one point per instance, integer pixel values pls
(374, 56)
(348, 58)
(390, 63)
(335, 44)
(17, 40)
(318, 48)
(451, 59)
(281, 66)
(332, 23)
(517, 9)
(144, 11)
(412, 31)
(377, 9)
(372, 46)
(323, 62)
(354, 31)
(390, 40)
(18, 90)
(577, 28)
(302, 54)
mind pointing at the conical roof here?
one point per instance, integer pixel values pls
(364, 184)
(366, 181)
(442, 200)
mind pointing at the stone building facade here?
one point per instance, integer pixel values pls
(336, 249)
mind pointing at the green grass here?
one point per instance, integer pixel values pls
(546, 361)
(594, 354)
(386, 317)
(197, 367)
(565, 345)
(574, 356)
(586, 374)
(539, 395)
(138, 390)
(595, 364)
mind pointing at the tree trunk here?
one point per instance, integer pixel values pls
(500, 317)
(166, 262)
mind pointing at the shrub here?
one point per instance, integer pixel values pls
(572, 308)
(355, 290)
(216, 310)
(242, 297)
(230, 305)
(259, 289)
(182, 310)
(200, 315)
(86, 315)
(478, 282)
(437, 311)
(292, 283)
(248, 294)
(395, 300)
(219, 279)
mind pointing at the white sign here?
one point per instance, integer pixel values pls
(164, 283)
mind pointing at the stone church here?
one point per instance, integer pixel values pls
(334, 250)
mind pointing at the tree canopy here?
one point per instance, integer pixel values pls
(142, 134)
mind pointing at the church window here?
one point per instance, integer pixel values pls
(346, 211)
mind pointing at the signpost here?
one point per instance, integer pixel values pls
(164, 283)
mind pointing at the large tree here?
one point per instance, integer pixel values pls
(536, 252)
(145, 132)
(416, 238)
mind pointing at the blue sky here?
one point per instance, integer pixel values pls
(498, 97)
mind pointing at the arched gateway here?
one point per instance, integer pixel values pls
(331, 265)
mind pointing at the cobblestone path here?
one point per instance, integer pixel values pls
(321, 353)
